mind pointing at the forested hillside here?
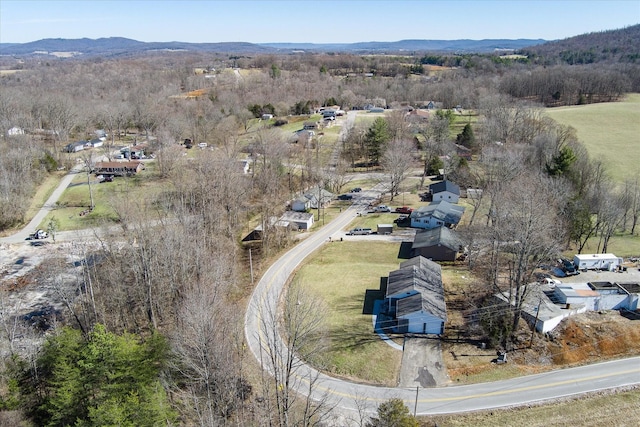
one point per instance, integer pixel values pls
(610, 47)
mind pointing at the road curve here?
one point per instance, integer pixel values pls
(350, 396)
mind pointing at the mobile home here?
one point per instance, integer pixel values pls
(597, 261)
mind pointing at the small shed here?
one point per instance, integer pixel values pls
(385, 228)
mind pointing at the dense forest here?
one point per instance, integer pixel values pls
(152, 328)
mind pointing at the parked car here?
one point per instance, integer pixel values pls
(382, 208)
(359, 231)
(38, 234)
(356, 190)
(345, 197)
(404, 210)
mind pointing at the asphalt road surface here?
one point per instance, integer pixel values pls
(351, 396)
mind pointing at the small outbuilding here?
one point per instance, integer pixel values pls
(385, 228)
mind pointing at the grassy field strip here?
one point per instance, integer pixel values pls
(619, 409)
(339, 274)
(610, 131)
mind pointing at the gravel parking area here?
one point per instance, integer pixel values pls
(422, 363)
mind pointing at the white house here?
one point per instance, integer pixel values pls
(445, 190)
(302, 220)
(301, 204)
(75, 147)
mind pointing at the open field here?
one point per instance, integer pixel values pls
(339, 274)
(75, 199)
(610, 131)
(615, 409)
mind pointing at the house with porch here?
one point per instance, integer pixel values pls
(437, 214)
(318, 197)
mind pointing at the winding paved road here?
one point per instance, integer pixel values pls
(350, 396)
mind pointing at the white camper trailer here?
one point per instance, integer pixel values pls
(597, 262)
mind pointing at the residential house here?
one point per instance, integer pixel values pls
(415, 297)
(318, 197)
(74, 147)
(118, 168)
(599, 295)
(547, 307)
(437, 244)
(445, 190)
(436, 214)
(299, 220)
(301, 204)
(95, 143)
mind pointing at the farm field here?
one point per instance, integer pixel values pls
(618, 409)
(610, 131)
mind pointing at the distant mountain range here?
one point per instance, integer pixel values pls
(116, 46)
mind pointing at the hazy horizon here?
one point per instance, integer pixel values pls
(310, 21)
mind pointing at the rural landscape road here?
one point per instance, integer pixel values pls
(353, 397)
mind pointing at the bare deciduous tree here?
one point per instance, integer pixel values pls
(288, 336)
(396, 162)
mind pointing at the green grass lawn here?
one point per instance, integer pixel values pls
(617, 409)
(339, 274)
(610, 131)
(76, 199)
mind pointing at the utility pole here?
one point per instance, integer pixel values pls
(535, 322)
(415, 406)
(251, 265)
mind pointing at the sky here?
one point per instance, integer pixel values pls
(310, 21)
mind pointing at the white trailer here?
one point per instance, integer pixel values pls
(597, 261)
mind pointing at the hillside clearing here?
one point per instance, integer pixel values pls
(608, 130)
